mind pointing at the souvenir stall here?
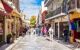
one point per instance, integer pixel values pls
(75, 25)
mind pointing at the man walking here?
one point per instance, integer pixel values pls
(65, 35)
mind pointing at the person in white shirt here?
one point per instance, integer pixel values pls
(51, 31)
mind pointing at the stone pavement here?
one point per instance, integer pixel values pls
(38, 43)
(33, 42)
(9, 46)
(67, 44)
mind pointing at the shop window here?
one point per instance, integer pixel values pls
(71, 4)
(78, 3)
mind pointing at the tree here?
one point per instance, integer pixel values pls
(33, 20)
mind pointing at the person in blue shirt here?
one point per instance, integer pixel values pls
(38, 31)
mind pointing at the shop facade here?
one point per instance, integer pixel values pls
(59, 25)
(3, 16)
(74, 15)
(2, 28)
(11, 22)
(75, 25)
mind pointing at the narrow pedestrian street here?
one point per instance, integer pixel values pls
(39, 24)
(37, 43)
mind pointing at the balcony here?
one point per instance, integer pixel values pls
(73, 5)
(78, 3)
(61, 10)
(63, 6)
(53, 13)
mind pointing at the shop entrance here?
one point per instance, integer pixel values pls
(56, 29)
(78, 29)
(75, 26)
(63, 25)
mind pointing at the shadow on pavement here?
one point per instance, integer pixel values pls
(4, 46)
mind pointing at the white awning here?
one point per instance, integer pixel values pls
(61, 14)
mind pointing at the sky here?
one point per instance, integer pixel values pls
(30, 7)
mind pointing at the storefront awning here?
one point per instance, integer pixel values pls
(15, 13)
(2, 10)
(10, 8)
(7, 7)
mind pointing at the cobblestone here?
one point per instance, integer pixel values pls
(38, 43)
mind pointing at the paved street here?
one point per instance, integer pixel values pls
(32, 42)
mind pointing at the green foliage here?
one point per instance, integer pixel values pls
(33, 20)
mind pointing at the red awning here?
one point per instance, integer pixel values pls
(7, 7)
(3, 13)
(2, 10)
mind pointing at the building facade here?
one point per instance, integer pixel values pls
(2, 23)
(74, 13)
(41, 14)
(56, 16)
(39, 18)
(11, 20)
(16, 4)
(64, 14)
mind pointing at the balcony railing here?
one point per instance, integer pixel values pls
(63, 9)
(53, 13)
(73, 4)
(78, 3)
(63, 6)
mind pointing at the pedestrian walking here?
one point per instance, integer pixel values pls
(34, 31)
(65, 35)
(42, 31)
(38, 31)
(45, 31)
(51, 33)
(25, 30)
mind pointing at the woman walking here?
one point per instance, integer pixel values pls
(51, 33)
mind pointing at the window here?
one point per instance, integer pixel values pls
(78, 3)
(71, 4)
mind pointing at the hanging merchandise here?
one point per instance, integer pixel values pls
(73, 25)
